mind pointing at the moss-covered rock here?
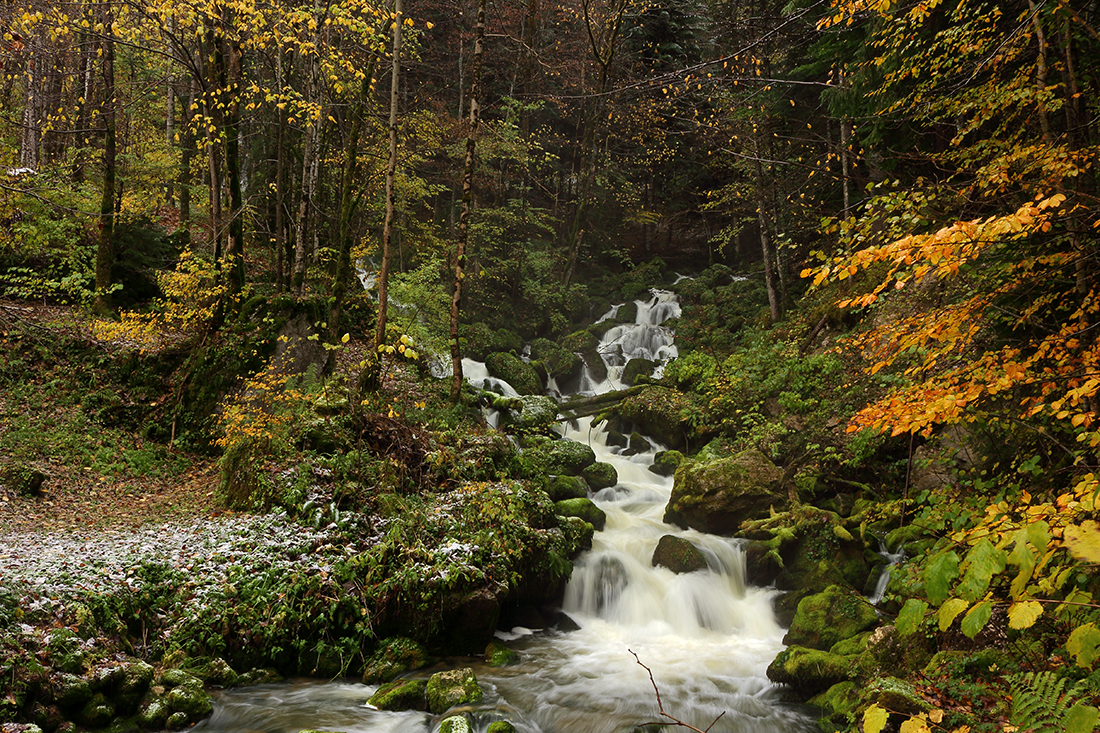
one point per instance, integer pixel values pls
(455, 724)
(578, 535)
(453, 687)
(177, 721)
(259, 676)
(216, 671)
(586, 344)
(190, 699)
(825, 618)
(132, 685)
(566, 487)
(628, 311)
(97, 712)
(839, 702)
(666, 462)
(500, 726)
(569, 457)
(762, 563)
(557, 362)
(534, 412)
(660, 412)
(635, 368)
(394, 657)
(71, 692)
(584, 509)
(516, 372)
(500, 655)
(153, 713)
(896, 695)
(808, 670)
(600, 476)
(404, 694)
(678, 555)
(22, 478)
(716, 497)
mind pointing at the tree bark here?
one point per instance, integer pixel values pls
(391, 171)
(467, 200)
(105, 245)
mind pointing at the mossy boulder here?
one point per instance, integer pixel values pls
(569, 457)
(394, 657)
(566, 487)
(500, 655)
(825, 618)
(187, 694)
(453, 687)
(97, 712)
(153, 713)
(600, 476)
(71, 692)
(635, 368)
(895, 694)
(404, 694)
(531, 412)
(586, 344)
(660, 412)
(808, 670)
(762, 563)
(500, 726)
(216, 671)
(717, 496)
(839, 702)
(666, 462)
(578, 535)
(555, 361)
(628, 311)
(582, 508)
(133, 683)
(22, 478)
(678, 555)
(455, 724)
(482, 340)
(515, 371)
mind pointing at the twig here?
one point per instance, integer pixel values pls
(660, 705)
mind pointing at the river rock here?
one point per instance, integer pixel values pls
(216, 671)
(153, 713)
(628, 311)
(569, 457)
(455, 724)
(678, 555)
(582, 508)
(453, 687)
(500, 726)
(535, 412)
(132, 685)
(498, 654)
(600, 476)
(469, 618)
(566, 487)
(808, 670)
(71, 692)
(716, 497)
(659, 411)
(825, 618)
(578, 535)
(394, 657)
(586, 344)
(402, 694)
(762, 565)
(516, 372)
(666, 462)
(561, 364)
(97, 712)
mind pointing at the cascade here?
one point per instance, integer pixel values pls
(705, 637)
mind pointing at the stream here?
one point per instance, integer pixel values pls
(705, 637)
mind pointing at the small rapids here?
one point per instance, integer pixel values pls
(705, 638)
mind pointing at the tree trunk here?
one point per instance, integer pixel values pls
(775, 305)
(310, 169)
(391, 171)
(234, 253)
(467, 200)
(105, 246)
(187, 154)
(349, 201)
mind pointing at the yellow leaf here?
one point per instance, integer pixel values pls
(1083, 541)
(874, 719)
(915, 725)
(936, 716)
(1022, 615)
(949, 610)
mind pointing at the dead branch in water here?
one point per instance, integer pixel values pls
(660, 705)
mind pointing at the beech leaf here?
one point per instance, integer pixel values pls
(1082, 644)
(1083, 541)
(1023, 615)
(976, 618)
(910, 617)
(948, 611)
(874, 719)
(915, 725)
(1081, 719)
(938, 575)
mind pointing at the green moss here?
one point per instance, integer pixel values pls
(808, 670)
(584, 509)
(516, 372)
(825, 618)
(678, 555)
(897, 695)
(499, 655)
(394, 657)
(454, 687)
(666, 462)
(600, 476)
(455, 724)
(578, 535)
(566, 487)
(500, 726)
(401, 695)
(569, 457)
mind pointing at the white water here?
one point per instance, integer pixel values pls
(706, 638)
(892, 559)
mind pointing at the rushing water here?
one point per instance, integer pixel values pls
(705, 637)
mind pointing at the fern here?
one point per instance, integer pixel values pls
(1040, 702)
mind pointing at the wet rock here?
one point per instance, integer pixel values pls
(839, 702)
(453, 687)
(896, 695)
(639, 443)
(153, 713)
(516, 372)
(659, 412)
(259, 677)
(666, 462)
(455, 724)
(584, 509)
(561, 364)
(48, 717)
(500, 726)
(566, 487)
(216, 671)
(808, 670)
(716, 497)
(678, 555)
(133, 683)
(762, 565)
(190, 700)
(499, 655)
(600, 476)
(470, 618)
(825, 618)
(534, 412)
(635, 368)
(628, 311)
(569, 457)
(578, 535)
(401, 695)
(177, 721)
(394, 657)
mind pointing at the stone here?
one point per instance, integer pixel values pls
(455, 724)
(132, 685)
(678, 555)
(535, 412)
(578, 535)
(71, 692)
(600, 476)
(896, 695)
(177, 720)
(635, 368)
(187, 699)
(639, 443)
(23, 479)
(825, 618)
(628, 311)
(454, 687)
(259, 676)
(762, 565)
(717, 496)
(569, 457)
(516, 372)
(153, 713)
(217, 672)
(561, 364)
(97, 712)
(499, 655)
(566, 487)
(808, 670)
(394, 657)
(500, 726)
(659, 411)
(582, 508)
(666, 462)
(403, 694)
